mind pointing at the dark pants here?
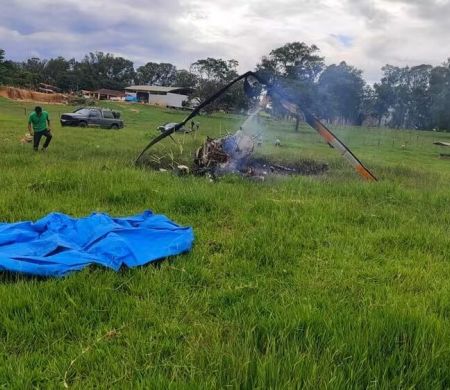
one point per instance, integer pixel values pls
(37, 138)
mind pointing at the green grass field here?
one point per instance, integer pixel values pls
(301, 282)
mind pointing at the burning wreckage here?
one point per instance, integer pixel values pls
(233, 153)
(227, 154)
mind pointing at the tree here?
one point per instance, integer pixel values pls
(152, 73)
(104, 70)
(61, 73)
(295, 61)
(341, 91)
(212, 74)
(3, 68)
(215, 69)
(32, 72)
(440, 96)
(295, 67)
(384, 99)
(368, 101)
(419, 110)
(404, 93)
(185, 79)
(11, 73)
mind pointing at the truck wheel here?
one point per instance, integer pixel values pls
(82, 124)
(114, 127)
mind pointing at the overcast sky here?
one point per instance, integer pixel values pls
(365, 33)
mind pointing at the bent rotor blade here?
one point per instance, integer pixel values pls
(336, 143)
(329, 137)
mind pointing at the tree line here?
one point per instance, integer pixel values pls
(405, 97)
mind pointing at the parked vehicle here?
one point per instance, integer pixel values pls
(93, 116)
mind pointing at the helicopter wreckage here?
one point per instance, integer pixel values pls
(234, 152)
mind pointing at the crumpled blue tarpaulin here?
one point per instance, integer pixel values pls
(58, 244)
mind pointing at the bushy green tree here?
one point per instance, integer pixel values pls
(186, 79)
(4, 69)
(341, 92)
(440, 96)
(104, 70)
(61, 73)
(404, 96)
(295, 68)
(152, 73)
(214, 73)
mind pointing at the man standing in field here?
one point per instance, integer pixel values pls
(38, 126)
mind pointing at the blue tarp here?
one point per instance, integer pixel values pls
(131, 97)
(58, 244)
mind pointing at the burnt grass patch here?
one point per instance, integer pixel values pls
(264, 166)
(252, 167)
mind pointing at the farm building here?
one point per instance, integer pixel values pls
(161, 96)
(108, 94)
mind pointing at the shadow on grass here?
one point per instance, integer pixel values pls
(7, 277)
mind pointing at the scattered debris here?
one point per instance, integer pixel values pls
(183, 170)
(26, 139)
(233, 154)
(167, 126)
(195, 126)
(441, 143)
(226, 154)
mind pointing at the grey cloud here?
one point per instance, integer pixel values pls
(365, 33)
(281, 9)
(371, 12)
(72, 29)
(434, 12)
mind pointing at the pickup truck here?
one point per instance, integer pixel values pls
(93, 116)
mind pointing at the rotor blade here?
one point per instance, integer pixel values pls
(191, 115)
(156, 140)
(334, 141)
(330, 138)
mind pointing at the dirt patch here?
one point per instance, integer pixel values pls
(31, 96)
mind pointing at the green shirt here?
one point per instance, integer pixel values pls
(39, 122)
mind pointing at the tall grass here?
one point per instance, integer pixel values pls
(314, 282)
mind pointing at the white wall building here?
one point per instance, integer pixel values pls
(160, 96)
